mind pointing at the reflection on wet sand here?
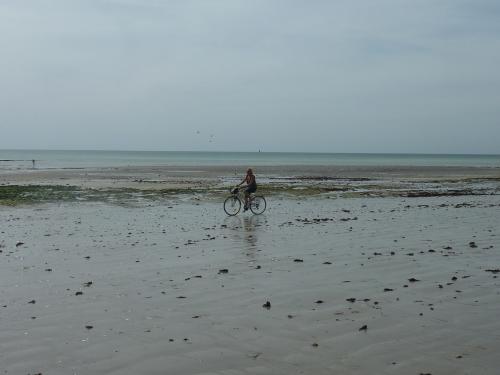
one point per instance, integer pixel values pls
(244, 230)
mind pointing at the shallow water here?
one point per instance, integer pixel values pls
(22, 159)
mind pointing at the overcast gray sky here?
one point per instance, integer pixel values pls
(329, 76)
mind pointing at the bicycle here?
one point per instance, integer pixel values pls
(232, 204)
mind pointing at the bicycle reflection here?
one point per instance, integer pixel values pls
(245, 229)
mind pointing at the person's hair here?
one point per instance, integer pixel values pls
(250, 170)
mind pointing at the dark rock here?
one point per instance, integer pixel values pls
(364, 328)
(413, 280)
(352, 300)
(388, 290)
(224, 270)
(89, 327)
(267, 305)
(78, 293)
(493, 270)
(298, 260)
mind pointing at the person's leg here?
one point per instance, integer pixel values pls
(247, 195)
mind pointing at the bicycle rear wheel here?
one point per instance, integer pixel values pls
(232, 205)
(258, 204)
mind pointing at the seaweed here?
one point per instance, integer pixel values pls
(13, 195)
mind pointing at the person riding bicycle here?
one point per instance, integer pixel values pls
(251, 186)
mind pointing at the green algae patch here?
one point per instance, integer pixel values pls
(13, 195)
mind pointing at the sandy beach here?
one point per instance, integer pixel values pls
(370, 131)
(326, 283)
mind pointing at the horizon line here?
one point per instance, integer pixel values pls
(254, 152)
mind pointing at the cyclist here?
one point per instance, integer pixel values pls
(251, 186)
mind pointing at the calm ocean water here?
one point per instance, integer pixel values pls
(22, 159)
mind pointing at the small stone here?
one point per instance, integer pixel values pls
(224, 270)
(267, 305)
(89, 327)
(364, 328)
(297, 260)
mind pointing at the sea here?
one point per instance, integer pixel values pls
(78, 159)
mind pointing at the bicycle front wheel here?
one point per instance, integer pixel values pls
(232, 206)
(258, 205)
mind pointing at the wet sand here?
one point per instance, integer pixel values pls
(209, 176)
(131, 184)
(355, 286)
